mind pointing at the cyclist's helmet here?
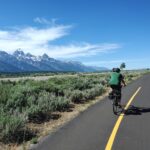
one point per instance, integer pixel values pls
(118, 70)
(113, 69)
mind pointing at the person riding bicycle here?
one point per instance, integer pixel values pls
(116, 82)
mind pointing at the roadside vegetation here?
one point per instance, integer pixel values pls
(31, 101)
(32, 74)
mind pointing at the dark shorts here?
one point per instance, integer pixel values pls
(118, 88)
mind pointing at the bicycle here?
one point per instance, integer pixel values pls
(115, 97)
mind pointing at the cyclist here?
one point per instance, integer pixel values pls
(116, 82)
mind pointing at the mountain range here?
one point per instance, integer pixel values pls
(26, 62)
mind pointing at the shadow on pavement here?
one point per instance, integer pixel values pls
(133, 110)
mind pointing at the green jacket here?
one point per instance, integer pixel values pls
(115, 78)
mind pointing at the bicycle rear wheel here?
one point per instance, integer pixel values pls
(115, 107)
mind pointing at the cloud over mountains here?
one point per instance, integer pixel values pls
(38, 40)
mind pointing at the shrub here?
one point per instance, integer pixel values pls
(34, 113)
(40, 106)
(90, 94)
(60, 104)
(99, 89)
(5, 92)
(10, 126)
(45, 104)
(76, 96)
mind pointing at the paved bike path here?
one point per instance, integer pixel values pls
(92, 129)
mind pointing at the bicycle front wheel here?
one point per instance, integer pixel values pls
(115, 109)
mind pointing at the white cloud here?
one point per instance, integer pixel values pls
(113, 62)
(31, 39)
(52, 22)
(39, 40)
(80, 49)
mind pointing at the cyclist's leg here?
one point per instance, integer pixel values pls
(111, 94)
(113, 87)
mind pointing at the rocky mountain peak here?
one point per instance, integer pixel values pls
(19, 53)
(20, 61)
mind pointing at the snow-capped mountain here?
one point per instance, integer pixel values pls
(21, 62)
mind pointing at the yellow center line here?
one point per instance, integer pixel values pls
(116, 127)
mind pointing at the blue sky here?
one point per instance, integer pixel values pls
(98, 32)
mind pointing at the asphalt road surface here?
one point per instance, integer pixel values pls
(99, 129)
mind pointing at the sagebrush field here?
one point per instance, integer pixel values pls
(27, 101)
